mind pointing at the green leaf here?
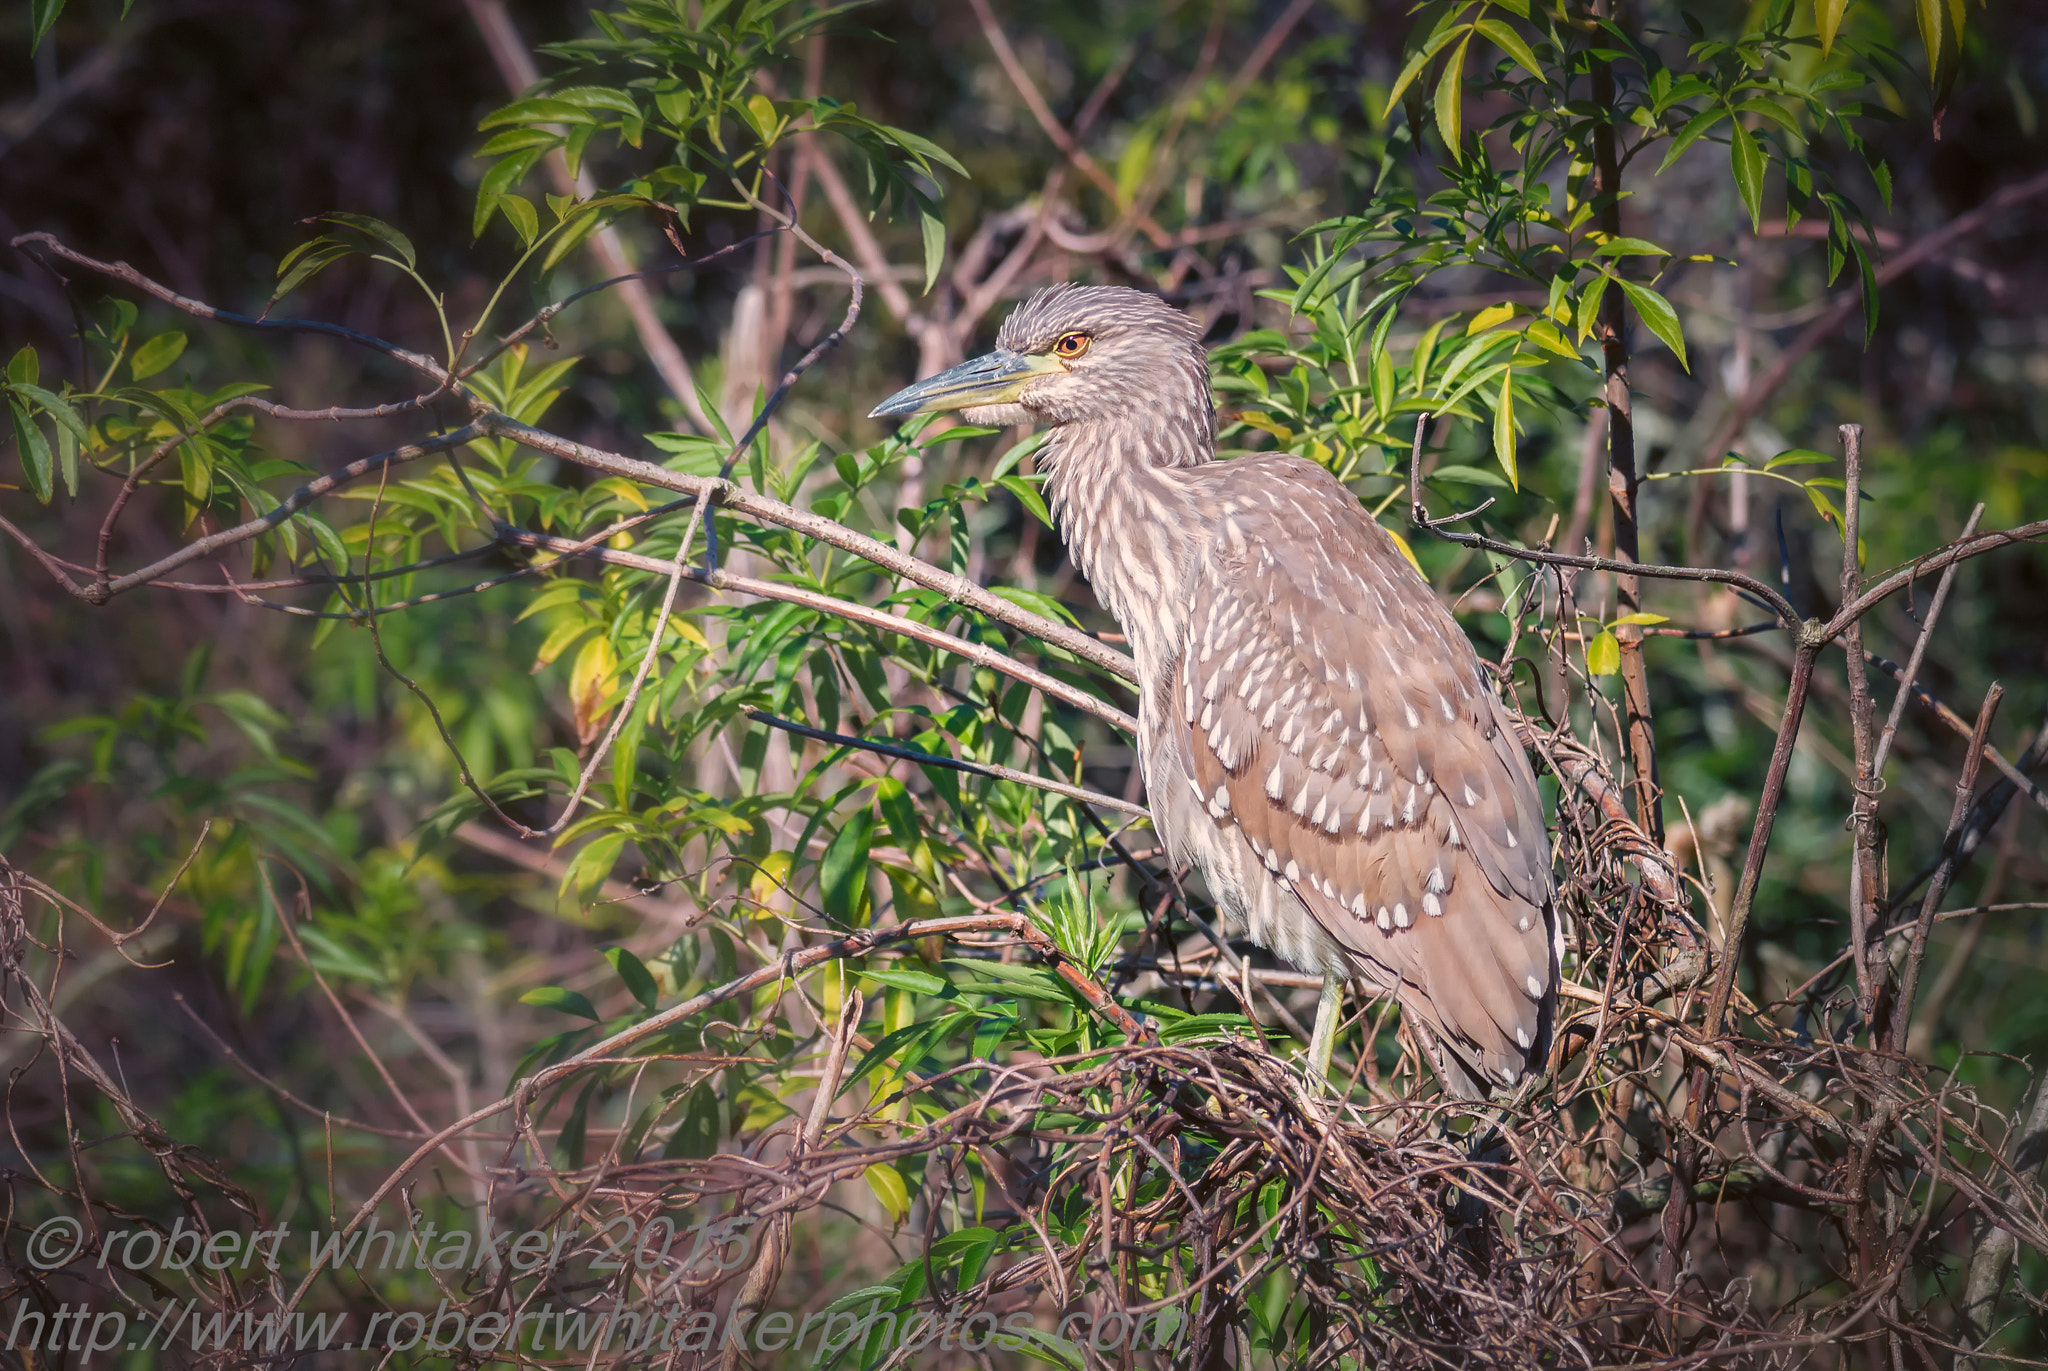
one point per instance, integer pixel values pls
(696, 1133)
(306, 261)
(1827, 16)
(1510, 42)
(1941, 32)
(1471, 476)
(1383, 384)
(1798, 457)
(934, 230)
(843, 870)
(1425, 349)
(1630, 247)
(1691, 133)
(1603, 654)
(1589, 305)
(566, 1001)
(1450, 91)
(56, 406)
(1656, 312)
(887, 1183)
(593, 862)
(156, 354)
(35, 452)
(390, 237)
(1028, 494)
(1416, 63)
(23, 369)
(1822, 505)
(892, 797)
(42, 14)
(1641, 618)
(1868, 280)
(635, 974)
(1746, 159)
(909, 978)
(520, 214)
(1504, 428)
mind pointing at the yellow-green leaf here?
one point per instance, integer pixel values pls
(771, 874)
(1657, 313)
(1504, 428)
(1510, 42)
(1544, 334)
(1641, 617)
(1491, 317)
(1746, 159)
(1603, 654)
(933, 230)
(1408, 552)
(1827, 17)
(887, 1183)
(1383, 385)
(519, 213)
(1260, 420)
(156, 354)
(1450, 91)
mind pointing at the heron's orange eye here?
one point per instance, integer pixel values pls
(1071, 345)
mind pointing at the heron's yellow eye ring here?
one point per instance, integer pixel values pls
(1071, 345)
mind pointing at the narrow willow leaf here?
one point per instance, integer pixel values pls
(42, 14)
(35, 452)
(1504, 428)
(1691, 133)
(934, 231)
(1418, 378)
(554, 997)
(1510, 42)
(1383, 385)
(1489, 317)
(843, 870)
(1746, 160)
(1656, 312)
(1827, 15)
(1589, 305)
(1798, 457)
(381, 231)
(1868, 276)
(638, 979)
(1630, 247)
(1450, 90)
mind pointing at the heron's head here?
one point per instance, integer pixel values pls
(1078, 354)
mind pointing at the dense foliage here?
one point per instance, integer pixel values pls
(460, 697)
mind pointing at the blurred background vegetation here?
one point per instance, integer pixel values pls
(194, 139)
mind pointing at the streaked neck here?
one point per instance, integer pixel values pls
(1126, 515)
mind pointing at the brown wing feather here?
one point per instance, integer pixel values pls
(1332, 713)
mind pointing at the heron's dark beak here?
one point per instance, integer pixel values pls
(997, 379)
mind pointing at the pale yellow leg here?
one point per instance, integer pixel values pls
(1329, 1013)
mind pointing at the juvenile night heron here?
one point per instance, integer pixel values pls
(1316, 733)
